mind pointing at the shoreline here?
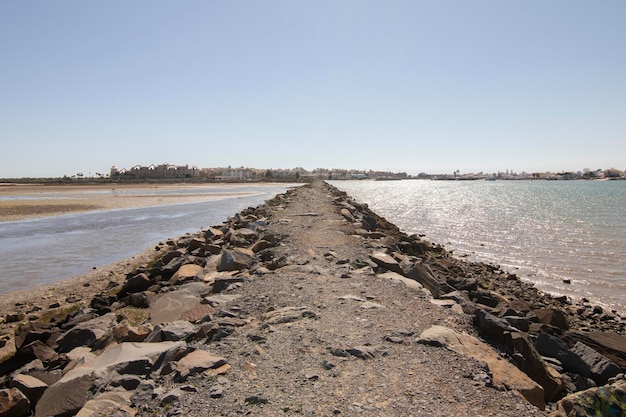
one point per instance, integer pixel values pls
(23, 202)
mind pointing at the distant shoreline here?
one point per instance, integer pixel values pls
(20, 202)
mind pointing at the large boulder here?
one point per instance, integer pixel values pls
(87, 333)
(611, 345)
(385, 261)
(491, 326)
(30, 386)
(601, 368)
(531, 363)
(395, 277)
(424, 275)
(235, 260)
(553, 347)
(196, 362)
(65, 398)
(505, 374)
(607, 401)
(105, 404)
(68, 395)
(136, 283)
(553, 317)
(187, 272)
(174, 305)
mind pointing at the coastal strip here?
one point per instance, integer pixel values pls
(308, 304)
(19, 202)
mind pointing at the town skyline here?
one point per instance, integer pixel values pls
(167, 171)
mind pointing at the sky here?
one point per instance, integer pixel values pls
(406, 86)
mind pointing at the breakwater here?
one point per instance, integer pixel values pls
(567, 238)
(311, 295)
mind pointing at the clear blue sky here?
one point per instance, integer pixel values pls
(416, 86)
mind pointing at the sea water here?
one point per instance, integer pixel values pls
(44, 250)
(547, 232)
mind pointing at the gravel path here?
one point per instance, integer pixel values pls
(351, 352)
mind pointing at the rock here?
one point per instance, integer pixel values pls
(369, 223)
(235, 260)
(30, 386)
(187, 272)
(607, 401)
(106, 403)
(171, 255)
(423, 274)
(442, 302)
(128, 382)
(173, 305)
(601, 368)
(136, 283)
(369, 305)
(362, 352)
(213, 233)
(489, 325)
(141, 299)
(386, 261)
(530, 362)
(13, 403)
(287, 314)
(348, 216)
(488, 298)
(396, 277)
(552, 346)
(170, 397)
(87, 333)
(69, 394)
(260, 245)
(242, 237)
(36, 350)
(611, 345)
(520, 323)
(29, 332)
(462, 299)
(505, 375)
(553, 317)
(65, 398)
(222, 282)
(177, 330)
(218, 299)
(198, 361)
(351, 297)
(255, 400)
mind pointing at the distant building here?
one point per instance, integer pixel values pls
(163, 171)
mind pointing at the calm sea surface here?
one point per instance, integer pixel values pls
(544, 231)
(45, 250)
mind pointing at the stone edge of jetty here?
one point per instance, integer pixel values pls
(56, 359)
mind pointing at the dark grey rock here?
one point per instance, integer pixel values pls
(600, 366)
(489, 325)
(549, 345)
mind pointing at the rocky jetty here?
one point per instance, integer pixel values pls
(311, 304)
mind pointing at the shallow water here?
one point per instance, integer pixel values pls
(44, 250)
(544, 231)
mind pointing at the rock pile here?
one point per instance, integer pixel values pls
(562, 347)
(132, 349)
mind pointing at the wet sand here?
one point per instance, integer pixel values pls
(18, 202)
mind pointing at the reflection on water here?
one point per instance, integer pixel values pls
(545, 231)
(44, 250)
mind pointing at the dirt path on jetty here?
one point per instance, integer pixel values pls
(300, 368)
(309, 305)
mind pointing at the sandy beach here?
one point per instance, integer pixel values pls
(18, 202)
